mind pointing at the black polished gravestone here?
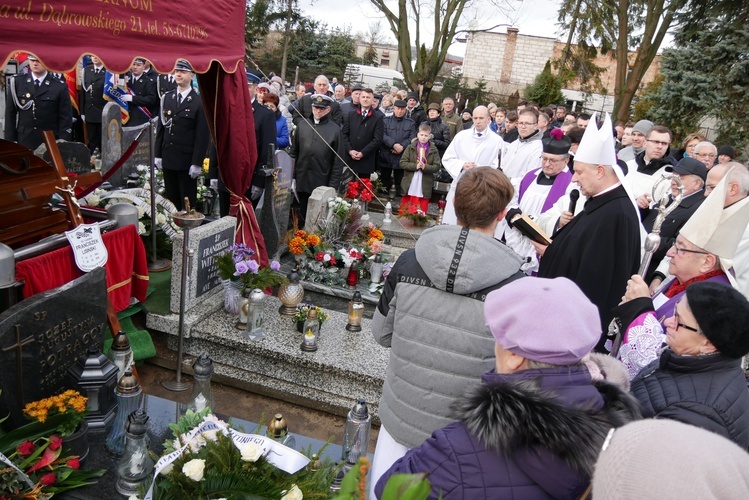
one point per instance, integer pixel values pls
(116, 139)
(75, 156)
(42, 336)
(273, 217)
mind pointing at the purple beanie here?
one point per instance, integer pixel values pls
(545, 320)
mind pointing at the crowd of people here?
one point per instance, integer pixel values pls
(588, 278)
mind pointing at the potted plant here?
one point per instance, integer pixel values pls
(301, 315)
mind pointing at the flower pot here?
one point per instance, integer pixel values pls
(76, 443)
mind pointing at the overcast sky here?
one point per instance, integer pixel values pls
(532, 17)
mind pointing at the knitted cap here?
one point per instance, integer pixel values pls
(546, 320)
(728, 151)
(722, 314)
(643, 127)
(412, 95)
(669, 459)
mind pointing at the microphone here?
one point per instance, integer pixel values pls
(574, 195)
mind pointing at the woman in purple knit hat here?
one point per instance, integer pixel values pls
(536, 425)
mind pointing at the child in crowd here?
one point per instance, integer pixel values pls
(420, 161)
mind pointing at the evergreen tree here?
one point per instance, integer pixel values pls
(546, 88)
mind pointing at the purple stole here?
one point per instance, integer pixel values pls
(666, 310)
(558, 188)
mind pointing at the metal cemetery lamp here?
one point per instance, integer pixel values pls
(255, 303)
(136, 466)
(187, 220)
(290, 294)
(375, 269)
(355, 312)
(311, 331)
(356, 433)
(128, 400)
(201, 396)
(95, 376)
(121, 353)
(278, 430)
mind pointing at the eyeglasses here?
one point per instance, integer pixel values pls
(680, 249)
(706, 155)
(525, 124)
(682, 325)
(551, 160)
(658, 143)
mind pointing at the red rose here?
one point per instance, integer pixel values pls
(55, 442)
(319, 256)
(412, 209)
(48, 479)
(333, 262)
(366, 196)
(74, 463)
(26, 448)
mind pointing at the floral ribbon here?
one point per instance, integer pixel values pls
(285, 458)
(20, 472)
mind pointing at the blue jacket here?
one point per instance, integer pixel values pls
(532, 434)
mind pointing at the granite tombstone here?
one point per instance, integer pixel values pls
(317, 207)
(42, 336)
(206, 243)
(116, 139)
(282, 196)
(75, 156)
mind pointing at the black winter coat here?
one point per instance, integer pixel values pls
(363, 135)
(50, 110)
(418, 115)
(314, 148)
(706, 391)
(302, 108)
(396, 131)
(440, 134)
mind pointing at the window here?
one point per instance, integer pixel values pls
(384, 62)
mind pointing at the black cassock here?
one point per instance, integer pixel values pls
(599, 250)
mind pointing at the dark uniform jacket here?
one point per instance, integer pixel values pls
(146, 96)
(49, 109)
(182, 134)
(92, 94)
(707, 391)
(303, 108)
(265, 133)
(314, 148)
(418, 115)
(364, 135)
(165, 83)
(396, 131)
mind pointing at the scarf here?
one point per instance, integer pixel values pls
(676, 287)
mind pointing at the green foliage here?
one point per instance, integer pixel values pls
(259, 18)
(708, 76)
(546, 88)
(407, 487)
(644, 106)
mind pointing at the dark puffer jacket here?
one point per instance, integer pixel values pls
(707, 391)
(531, 434)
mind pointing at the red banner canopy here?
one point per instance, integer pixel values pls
(59, 32)
(207, 33)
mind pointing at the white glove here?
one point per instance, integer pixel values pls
(127, 97)
(214, 184)
(157, 163)
(83, 117)
(195, 171)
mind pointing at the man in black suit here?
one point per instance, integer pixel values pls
(363, 131)
(92, 101)
(303, 106)
(144, 94)
(265, 134)
(182, 137)
(36, 102)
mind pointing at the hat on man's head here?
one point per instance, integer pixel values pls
(722, 314)
(276, 78)
(597, 145)
(254, 76)
(567, 330)
(412, 95)
(356, 87)
(557, 143)
(400, 103)
(141, 60)
(728, 151)
(263, 85)
(643, 127)
(716, 229)
(320, 100)
(690, 166)
(434, 105)
(183, 65)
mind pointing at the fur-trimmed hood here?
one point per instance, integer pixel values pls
(560, 410)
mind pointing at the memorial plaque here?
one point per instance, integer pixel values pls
(116, 139)
(206, 242)
(282, 195)
(317, 207)
(209, 248)
(111, 139)
(42, 336)
(75, 156)
(267, 215)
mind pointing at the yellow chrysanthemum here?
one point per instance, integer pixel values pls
(313, 240)
(376, 233)
(296, 245)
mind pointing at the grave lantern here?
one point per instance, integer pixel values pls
(136, 466)
(355, 311)
(128, 400)
(201, 396)
(121, 353)
(95, 377)
(290, 294)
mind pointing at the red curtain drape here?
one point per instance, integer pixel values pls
(227, 105)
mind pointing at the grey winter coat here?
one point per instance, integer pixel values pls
(431, 315)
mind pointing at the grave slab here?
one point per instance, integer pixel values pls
(317, 207)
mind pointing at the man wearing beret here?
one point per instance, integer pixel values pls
(534, 427)
(35, 102)
(182, 138)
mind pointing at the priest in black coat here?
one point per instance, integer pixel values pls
(600, 248)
